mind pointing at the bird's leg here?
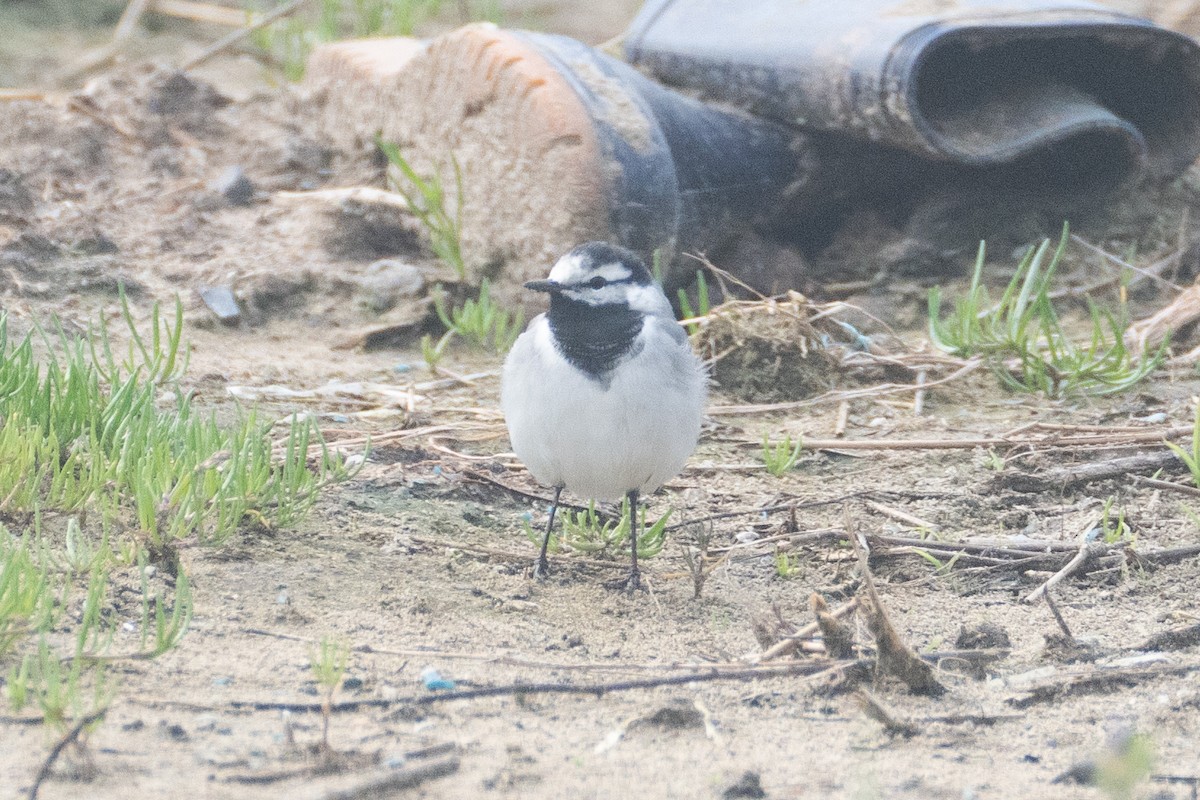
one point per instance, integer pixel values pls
(543, 564)
(635, 575)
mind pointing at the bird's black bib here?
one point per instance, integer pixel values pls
(593, 339)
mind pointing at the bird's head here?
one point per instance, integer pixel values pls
(598, 274)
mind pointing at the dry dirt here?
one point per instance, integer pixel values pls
(420, 560)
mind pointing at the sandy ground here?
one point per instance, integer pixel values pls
(421, 561)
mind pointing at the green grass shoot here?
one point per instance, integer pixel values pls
(1191, 458)
(426, 199)
(289, 41)
(780, 457)
(480, 321)
(106, 467)
(703, 303)
(1022, 337)
(589, 532)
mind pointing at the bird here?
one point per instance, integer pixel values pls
(602, 394)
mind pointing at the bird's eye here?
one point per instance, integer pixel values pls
(597, 282)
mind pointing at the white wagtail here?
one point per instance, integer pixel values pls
(603, 395)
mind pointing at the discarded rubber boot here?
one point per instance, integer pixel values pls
(1070, 96)
(556, 143)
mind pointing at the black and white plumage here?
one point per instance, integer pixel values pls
(602, 394)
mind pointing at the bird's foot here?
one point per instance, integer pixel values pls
(541, 570)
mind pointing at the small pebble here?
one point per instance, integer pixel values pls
(234, 186)
(222, 303)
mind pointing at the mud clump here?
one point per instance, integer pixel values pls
(767, 351)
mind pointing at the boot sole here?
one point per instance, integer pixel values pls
(533, 182)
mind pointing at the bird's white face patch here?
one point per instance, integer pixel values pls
(648, 300)
(572, 269)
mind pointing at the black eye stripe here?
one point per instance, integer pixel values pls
(599, 282)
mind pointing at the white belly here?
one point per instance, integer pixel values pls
(600, 442)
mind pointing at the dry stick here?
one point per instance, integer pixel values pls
(1155, 483)
(1054, 688)
(508, 661)
(1103, 283)
(789, 643)
(1062, 623)
(1029, 547)
(902, 516)
(125, 28)
(495, 551)
(1125, 264)
(1055, 479)
(1086, 551)
(812, 668)
(843, 416)
(201, 12)
(1086, 440)
(395, 780)
(71, 736)
(874, 709)
(232, 38)
(832, 397)
(893, 655)
(805, 668)
(919, 395)
(1168, 555)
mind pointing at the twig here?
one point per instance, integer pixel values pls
(395, 780)
(1094, 677)
(902, 516)
(368, 195)
(874, 709)
(12, 95)
(810, 669)
(124, 29)
(919, 395)
(1137, 436)
(1169, 486)
(789, 643)
(1168, 555)
(843, 416)
(1087, 550)
(505, 660)
(509, 554)
(232, 38)
(202, 12)
(71, 736)
(1125, 264)
(893, 656)
(1057, 479)
(1062, 623)
(838, 396)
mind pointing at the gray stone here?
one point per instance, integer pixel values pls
(222, 303)
(234, 186)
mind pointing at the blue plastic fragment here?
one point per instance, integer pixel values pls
(402, 368)
(434, 681)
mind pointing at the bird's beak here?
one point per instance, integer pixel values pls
(550, 287)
